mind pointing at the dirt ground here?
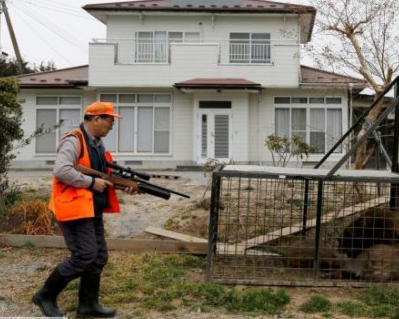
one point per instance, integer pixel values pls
(23, 270)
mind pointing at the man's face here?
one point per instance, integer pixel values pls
(103, 125)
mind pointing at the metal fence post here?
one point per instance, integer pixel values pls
(213, 221)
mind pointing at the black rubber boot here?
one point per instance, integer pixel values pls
(88, 298)
(46, 298)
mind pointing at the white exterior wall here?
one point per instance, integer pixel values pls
(181, 127)
(113, 64)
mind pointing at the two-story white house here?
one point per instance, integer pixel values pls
(193, 79)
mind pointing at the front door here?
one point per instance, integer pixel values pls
(214, 134)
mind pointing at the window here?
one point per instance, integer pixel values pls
(51, 110)
(319, 127)
(145, 128)
(154, 47)
(333, 100)
(249, 47)
(299, 100)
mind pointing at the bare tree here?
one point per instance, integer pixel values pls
(360, 36)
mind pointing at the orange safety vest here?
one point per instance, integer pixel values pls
(71, 203)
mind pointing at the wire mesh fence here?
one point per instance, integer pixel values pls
(279, 228)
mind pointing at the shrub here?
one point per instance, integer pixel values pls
(316, 303)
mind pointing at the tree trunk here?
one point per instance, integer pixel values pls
(366, 150)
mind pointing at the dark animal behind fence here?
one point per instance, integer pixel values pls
(377, 225)
(301, 255)
(379, 263)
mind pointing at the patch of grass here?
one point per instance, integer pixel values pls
(316, 303)
(258, 301)
(171, 224)
(384, 310)
(383, 301)
(295, 202)
(160, 282)
(376, 296)
(352, 308)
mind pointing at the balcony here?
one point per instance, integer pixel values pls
(150, 51)
(159, 62)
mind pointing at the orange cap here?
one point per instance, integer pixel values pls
(99, 108)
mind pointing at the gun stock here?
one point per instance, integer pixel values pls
(122, 183)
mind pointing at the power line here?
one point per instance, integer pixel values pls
(52, 27)
(55, 7)
(42, 38)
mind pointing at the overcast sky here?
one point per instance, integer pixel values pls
(56, 30)
(52, 30)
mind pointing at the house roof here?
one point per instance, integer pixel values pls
(78, 76)
(61, 78)
(316, 77)
(307, 13)
(219, 83)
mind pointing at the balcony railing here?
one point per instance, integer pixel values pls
(150, 51)
(249, 52)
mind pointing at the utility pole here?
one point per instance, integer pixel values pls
(12, 35)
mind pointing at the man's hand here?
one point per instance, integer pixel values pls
(132, 190)
(101, 184)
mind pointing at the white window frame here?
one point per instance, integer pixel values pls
(57, 107)
(308, 106)
(135, 106)
(250, 60)
(167, 44)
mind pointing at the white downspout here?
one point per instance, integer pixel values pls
(259, 130)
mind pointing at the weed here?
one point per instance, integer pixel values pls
(351, 308)
(28, 244)
(36, 218)
(10, 197)
(223, 238)
(316, 303)
(203, 203)
(261, 231)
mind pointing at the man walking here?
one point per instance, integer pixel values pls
(78, 202)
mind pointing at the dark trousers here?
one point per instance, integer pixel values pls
(85, 239)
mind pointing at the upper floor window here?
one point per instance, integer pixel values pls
(249, 47)
(154, 47)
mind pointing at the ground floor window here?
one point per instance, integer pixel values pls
(51, 110)
(319, 127)
(146, 124)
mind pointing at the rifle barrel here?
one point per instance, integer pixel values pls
(122, 183)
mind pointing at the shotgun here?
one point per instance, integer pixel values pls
(122, 183)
